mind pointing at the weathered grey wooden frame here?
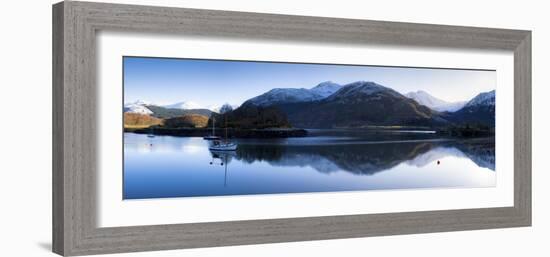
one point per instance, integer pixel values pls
(74, 131)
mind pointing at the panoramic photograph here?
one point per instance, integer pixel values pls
(197, 128)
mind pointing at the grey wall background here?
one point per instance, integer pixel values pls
(25, 128)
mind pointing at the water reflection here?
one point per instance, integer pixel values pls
(365, 159)
(223, 158)
(174, 167)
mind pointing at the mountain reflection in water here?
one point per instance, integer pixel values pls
(367, 158)
(177, 167)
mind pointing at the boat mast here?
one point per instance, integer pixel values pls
(213, 122)
(225, 116)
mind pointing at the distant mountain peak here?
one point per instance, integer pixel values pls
(138, 102)
(367, 86)
(138, 106)
(185, 105)
(326, 88)
(361, 88)
(422, 93)
(486, 98)
(284, 95)
(326, 84)
(424, 98)
(479, 110)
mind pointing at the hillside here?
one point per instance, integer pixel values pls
(361, 104)
(165, 113)
(251, 117)
(329, 105)
(187, 121)
(136, 120)
(480, 111)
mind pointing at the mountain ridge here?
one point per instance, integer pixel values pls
(326, 88)
(479, 110)
(367, 103)
(331, 105)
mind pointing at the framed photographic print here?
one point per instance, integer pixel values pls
(181, 128)
(355, 135)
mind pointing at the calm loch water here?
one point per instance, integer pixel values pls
(325, 161)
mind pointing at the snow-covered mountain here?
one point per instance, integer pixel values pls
(148, 108)
(284, 95)
(213, 107)
(360, 104)
(216, 108)
(485, 99)
(190, 105)
(138, 106)
(326, 88)
(137, 103)
(481, 109)
(295, 95)
(434, 103)
(186, 105)
(360, 89)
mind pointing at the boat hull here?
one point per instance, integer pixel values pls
(223, 148)
(217, 145)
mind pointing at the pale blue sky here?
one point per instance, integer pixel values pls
(213, 82)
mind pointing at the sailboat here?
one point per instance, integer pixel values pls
(213, 136)
(223, 145)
